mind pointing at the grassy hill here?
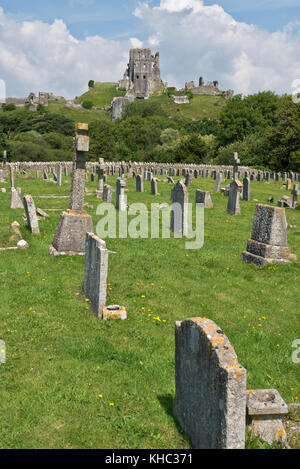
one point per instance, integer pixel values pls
(102, 94)
(198, 108)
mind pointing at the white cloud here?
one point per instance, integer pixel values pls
(136, 43)
(198, 40)
(37, 56)
(193, 39)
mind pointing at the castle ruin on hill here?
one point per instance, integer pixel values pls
(210, 88)
(142, 76)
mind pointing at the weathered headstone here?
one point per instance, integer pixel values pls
(15, 200)
(203, 197)
(139, 183)
(96, 270)
(154, 189)
(59, 175)
(233, 206)
(179, 213)
(219, 180)
(246, 189)
(121, 199)
(31, 216)
(188, 180)
(268, 243)
(210, 399)
(107, 194)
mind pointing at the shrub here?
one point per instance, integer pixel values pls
(87, 104)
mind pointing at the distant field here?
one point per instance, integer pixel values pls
(73, 381)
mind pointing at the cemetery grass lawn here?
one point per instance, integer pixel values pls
(72, 381)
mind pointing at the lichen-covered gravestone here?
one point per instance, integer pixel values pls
(210, 399)
(268, 243)
(96, 270)
(265, 408)
(31, 216)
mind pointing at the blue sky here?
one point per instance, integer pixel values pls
(58, 46)
(114, 19)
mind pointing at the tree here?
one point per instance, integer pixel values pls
(284, 136)
(244, 116)
(91, 84)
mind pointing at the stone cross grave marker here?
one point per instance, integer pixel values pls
(74, 223)
(236, 161)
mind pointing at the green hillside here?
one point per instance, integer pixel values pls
(199, 107)
(101, 95)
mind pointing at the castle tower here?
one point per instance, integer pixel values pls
(143, 73)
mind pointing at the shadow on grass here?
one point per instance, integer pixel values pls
(166, 401)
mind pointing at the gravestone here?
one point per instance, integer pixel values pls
(12, 176)
(59, 175)
(179, 212)
(210, 395)
(74, 223)
(203, 197)
(188, 180)
(154, 189)
(101, 178)
(246, 189)
(95, 275)
(4, 162)
(219, 180)
(121, 199)
(295, 192)
(15, 200)
(139, 183)
(107, 194)
(268, 243)
(233, 206)
(31, 216)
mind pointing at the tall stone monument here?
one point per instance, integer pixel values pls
(74, 223)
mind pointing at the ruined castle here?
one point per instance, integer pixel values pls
(142, 76)
(210, 88)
